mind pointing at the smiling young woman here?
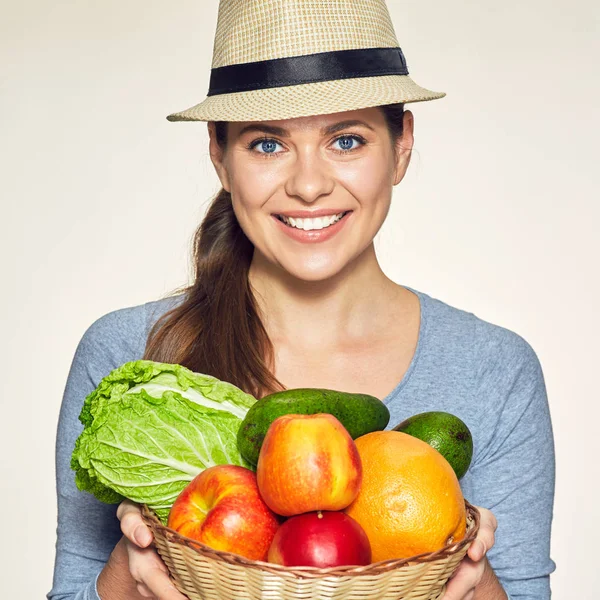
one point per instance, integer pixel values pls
(302, 206)
(309, 136)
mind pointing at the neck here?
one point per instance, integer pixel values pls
(333, 311)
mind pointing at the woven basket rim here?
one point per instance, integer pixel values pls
(473, 521)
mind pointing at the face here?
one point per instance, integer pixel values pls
(312, 192)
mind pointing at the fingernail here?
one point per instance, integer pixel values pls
(483, 549)
(142, 536)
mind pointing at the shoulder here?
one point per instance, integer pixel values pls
(487, 374)
(466, 336)
(120, 335)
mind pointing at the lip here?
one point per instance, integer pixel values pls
(312, 214)
(315, 235)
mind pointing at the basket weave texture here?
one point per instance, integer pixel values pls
(202, 573)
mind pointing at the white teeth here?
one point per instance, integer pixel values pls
(310, 224)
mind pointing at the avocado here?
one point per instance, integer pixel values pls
(446, 433)
(358, 413)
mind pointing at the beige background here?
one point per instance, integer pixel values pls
(100, 195)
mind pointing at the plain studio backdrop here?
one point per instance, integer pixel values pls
(497, 215)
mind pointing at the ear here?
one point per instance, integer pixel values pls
(404, 146)
(217, 157)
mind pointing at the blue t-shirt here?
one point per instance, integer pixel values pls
(487, 375)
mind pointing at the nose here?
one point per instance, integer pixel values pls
(309, 178)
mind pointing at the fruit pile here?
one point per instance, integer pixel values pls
(331, 489)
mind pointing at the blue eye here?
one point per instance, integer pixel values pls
(346, 142)
(265, 146)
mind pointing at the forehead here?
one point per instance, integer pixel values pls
(321, 124)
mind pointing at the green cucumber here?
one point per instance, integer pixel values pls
(359, 414)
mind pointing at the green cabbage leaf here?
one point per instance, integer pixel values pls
(150, 428)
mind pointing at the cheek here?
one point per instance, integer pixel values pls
(251, 188)
(248, 201)
(367, 179)
(253, 182)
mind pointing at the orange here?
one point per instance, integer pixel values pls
(410, 501)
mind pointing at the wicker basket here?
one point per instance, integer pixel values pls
(202, 573)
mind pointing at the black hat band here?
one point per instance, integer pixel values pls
(309, 68)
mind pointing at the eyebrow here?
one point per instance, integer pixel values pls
(281, 132)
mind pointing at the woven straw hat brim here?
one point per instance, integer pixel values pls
(323, 97)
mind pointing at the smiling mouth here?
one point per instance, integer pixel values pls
(313, 223)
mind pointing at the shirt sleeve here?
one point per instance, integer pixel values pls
(514, 474)
(87, 529)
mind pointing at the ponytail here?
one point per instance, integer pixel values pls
(217, 329)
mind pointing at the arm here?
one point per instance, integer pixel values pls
(115, 581)
(87, 530)
(489, 587)
(513, 472)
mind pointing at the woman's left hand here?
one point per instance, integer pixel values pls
(474, 566)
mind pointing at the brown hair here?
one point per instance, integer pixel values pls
(217, 329)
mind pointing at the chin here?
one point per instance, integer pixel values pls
(314, 268)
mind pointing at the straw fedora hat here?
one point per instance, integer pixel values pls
(280, 59)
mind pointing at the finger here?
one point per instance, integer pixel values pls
(160, 585)
(485, 536)
(124, 507)
(144, 591)
(477, 550)
(463, 581)
(142, 560)
(132, 524)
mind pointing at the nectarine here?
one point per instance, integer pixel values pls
(308, 463)
(222, 508)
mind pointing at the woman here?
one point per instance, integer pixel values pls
(308, 136)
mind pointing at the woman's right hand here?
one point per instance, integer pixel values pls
(145, 565)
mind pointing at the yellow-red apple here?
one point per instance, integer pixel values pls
(222, 508)
(308, 463)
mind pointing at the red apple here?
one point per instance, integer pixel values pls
(308, 463)
(320, 539)
(221, 507)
